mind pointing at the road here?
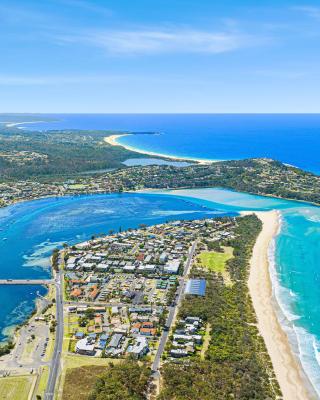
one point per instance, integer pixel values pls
(26, 281)
(105, 304)
(56, 358)
(172, 311)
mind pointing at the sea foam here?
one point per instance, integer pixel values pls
(304, 345)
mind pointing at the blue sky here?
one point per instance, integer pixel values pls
(159, 56)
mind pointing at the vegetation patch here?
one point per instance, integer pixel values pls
(79, 382)
(215, 261)
(15, 388)
(74, 361)
(127, 380)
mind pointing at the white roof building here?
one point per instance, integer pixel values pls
(84, 347)
(140, 347)
(129, 268)
(172, 267)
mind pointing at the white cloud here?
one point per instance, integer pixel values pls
(88, 6)
(153, 41)
(281, 74)
(19, 80)
(310, 11)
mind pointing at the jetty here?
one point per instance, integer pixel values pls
(26, 281)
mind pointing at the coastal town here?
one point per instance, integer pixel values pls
(121, 298)
(121, 288)
(258, 176)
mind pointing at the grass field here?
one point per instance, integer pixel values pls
(77, 186)
(74, 361)
(15, 388)
(215, 261)
(80, 381)
(43, 381)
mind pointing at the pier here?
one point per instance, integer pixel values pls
(26, 281)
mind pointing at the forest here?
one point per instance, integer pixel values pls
(57, 154)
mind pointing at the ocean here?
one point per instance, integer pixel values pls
(31, 230)
(293, 139)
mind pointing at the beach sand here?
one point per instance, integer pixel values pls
(292, 380)
(112, 140)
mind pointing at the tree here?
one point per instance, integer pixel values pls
(127, 380)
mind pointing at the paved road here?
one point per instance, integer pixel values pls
(26, 281)
(172, 312)
(105, 304)
(55, 363)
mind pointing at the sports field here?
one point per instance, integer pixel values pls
(215, 261)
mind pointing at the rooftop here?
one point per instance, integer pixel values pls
(196, 287)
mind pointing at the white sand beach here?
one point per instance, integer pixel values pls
(293, 382)
(112, 140)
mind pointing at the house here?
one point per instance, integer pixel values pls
(136, 327)
(192, 320)
(140, 310)
(88, 266)
(79, 335)
(178, 353)
(102, 267)
(76, 292)
(129, 268)
(92, 295)
(115, 341)
(172, 267)
(85, 347)
(163, 257)
(148, 331)
(139, 348)
(114, 310)
(148, 259)
(102, 341)
(146, 269)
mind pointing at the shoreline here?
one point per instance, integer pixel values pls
(291, 377)
(113, 141)
(14, 330)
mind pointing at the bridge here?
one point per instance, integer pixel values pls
(26, 281)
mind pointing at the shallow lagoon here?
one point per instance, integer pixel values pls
(31, 230)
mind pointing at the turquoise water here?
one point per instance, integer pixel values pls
(30, 231)
(294, 264)
(296, 281)
(33, 229)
